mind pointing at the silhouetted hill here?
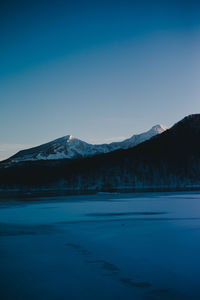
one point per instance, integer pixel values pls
(170, 160)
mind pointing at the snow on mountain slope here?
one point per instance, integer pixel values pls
(72, 148)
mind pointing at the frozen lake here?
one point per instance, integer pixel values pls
(96, 247)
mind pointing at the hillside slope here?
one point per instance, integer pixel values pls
(170, 160)
(72, 148)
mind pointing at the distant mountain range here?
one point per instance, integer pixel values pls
(166, 161)
(73, 148)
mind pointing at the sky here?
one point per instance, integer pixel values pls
(98, 70)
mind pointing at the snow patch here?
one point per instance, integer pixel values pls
(72, 148)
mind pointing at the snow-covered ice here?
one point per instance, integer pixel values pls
(106, 246)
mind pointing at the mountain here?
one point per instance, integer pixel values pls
(73, 148)
(169, 161)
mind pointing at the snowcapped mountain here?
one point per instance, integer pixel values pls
(72, 148)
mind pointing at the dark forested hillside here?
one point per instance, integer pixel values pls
(169, 160)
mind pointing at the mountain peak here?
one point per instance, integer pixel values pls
(71, 148)
(67, 138)
(71, 137)
(159, 127)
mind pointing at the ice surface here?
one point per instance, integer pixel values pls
(106, 246)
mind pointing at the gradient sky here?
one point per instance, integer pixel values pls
(99, 70)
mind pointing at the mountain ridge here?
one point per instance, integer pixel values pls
(169, 161)
(73, 148)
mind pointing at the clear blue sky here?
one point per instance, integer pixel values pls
(99, 70)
